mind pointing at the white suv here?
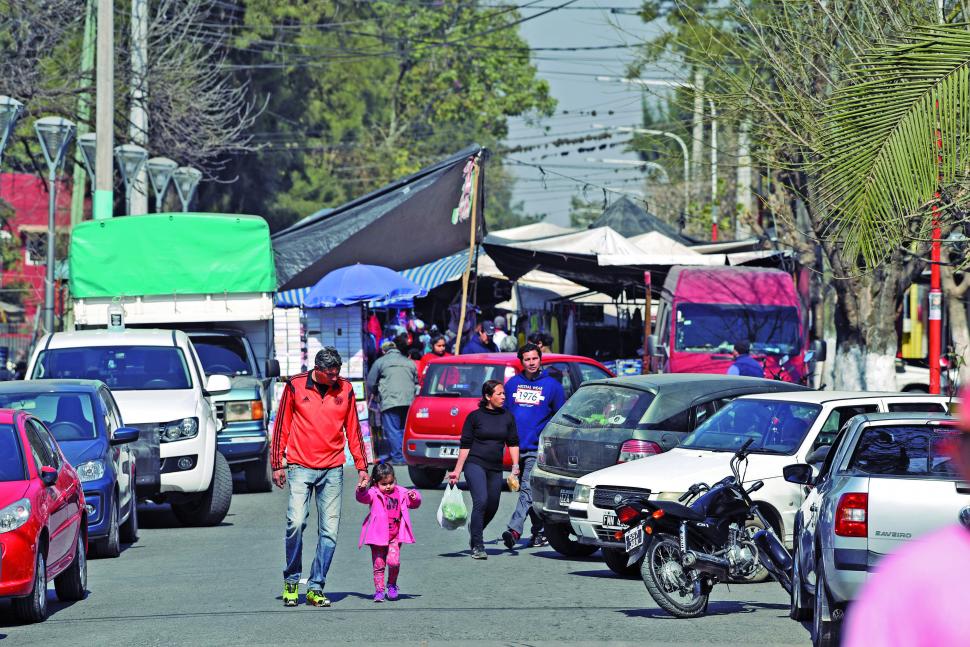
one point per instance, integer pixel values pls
(786, 428)
(157, 380)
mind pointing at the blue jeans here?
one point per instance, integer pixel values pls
(326, 485)
(523, 507)
(392, 422)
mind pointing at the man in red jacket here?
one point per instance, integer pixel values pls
(317, 416)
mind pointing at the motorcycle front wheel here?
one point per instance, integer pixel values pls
(668, 583)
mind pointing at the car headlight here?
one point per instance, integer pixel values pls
(90, 471)
(668, 496)
(14, 515)
(581, 494)
(179, 430)
(244, 410)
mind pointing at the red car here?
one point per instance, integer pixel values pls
(452, 389)
(42, 518)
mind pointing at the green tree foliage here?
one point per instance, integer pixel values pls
(361, 93)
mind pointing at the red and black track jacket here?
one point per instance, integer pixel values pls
(312, 423)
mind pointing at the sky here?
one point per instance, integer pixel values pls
(572, 79)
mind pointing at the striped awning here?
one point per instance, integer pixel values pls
(428, 276)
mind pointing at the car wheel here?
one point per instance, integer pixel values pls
(616, 559)
(209, 508)
(798, 609)
(72, 584)
(259, 475)
(559, 536)
(129, 529)
(426, 478)
(33, 608)
(825, 629)
(110, 546)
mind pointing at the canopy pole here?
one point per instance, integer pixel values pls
(471, 254)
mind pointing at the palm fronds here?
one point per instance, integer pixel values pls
(877, 155)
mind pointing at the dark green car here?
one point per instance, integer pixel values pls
(618, 420)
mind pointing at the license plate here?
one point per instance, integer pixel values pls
(609, 520)
(448, 452)
(565, 498)
(633, 538)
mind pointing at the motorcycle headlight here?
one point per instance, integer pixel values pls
(90, 471)
(14, 515)
(668, 496)
(179, 430)
(581, 494)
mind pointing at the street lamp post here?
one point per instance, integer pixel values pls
(131, 159)
(87, 147)
(664, 133)
(160, 171)
(10, 111)
(55, 135)
(186, 180)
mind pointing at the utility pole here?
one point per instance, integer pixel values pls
(697, 137)
(104, 124)
(742, 230)
(84, 108)
(138, 117)
(714, 205)
(936, 292)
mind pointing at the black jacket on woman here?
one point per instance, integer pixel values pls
(487, 432)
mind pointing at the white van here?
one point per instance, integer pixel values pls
(786, 428)
(158, 383)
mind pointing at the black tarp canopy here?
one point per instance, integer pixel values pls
(402, 225)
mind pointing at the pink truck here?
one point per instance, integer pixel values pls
(703, 311)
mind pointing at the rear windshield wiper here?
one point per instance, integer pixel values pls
(445, 394)
(572, 419)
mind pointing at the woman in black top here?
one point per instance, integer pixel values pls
(485, 435)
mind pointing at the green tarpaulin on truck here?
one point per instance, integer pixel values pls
(171, 253)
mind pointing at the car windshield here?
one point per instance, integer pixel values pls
(462, 380)
(12, 466)
(715, 327)
(602, 405)
(917, 451)
(776, 427)
(68, 416)
(122, 368)
(222, 355)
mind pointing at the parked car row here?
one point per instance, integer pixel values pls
(106, 418)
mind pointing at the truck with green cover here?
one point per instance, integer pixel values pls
(209, 275)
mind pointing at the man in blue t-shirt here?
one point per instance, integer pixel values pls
(533, 397)
(743, 363)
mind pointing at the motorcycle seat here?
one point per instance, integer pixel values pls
(675, 509)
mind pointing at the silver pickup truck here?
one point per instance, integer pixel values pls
(886, 479)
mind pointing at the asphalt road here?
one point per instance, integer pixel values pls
(222, 586)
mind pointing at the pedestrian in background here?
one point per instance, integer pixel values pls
(533, 398)
(500, 332)
(543, 340)
(486, 433)
(743, 363)
(439, 347)
(386, 526)
(481, 340)
(393, 378)
(316, 418)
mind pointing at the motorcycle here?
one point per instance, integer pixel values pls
(687, 549)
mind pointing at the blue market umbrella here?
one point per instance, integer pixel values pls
(360, 284)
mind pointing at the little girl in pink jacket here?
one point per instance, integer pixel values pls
(387, 525)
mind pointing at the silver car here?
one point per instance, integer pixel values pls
(887, 478)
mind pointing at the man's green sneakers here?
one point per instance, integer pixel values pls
(317, 599)
(291, 594)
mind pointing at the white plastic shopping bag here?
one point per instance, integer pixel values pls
(452, 511)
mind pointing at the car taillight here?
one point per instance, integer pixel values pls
(626, 514)
(634, 449)
(851, 515)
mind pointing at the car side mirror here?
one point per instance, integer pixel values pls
(218, 385)
(48, 476)
(818, 455)
(819, 350)
(799, 474)
(124, 435)
(654, 347)
(272, 368)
